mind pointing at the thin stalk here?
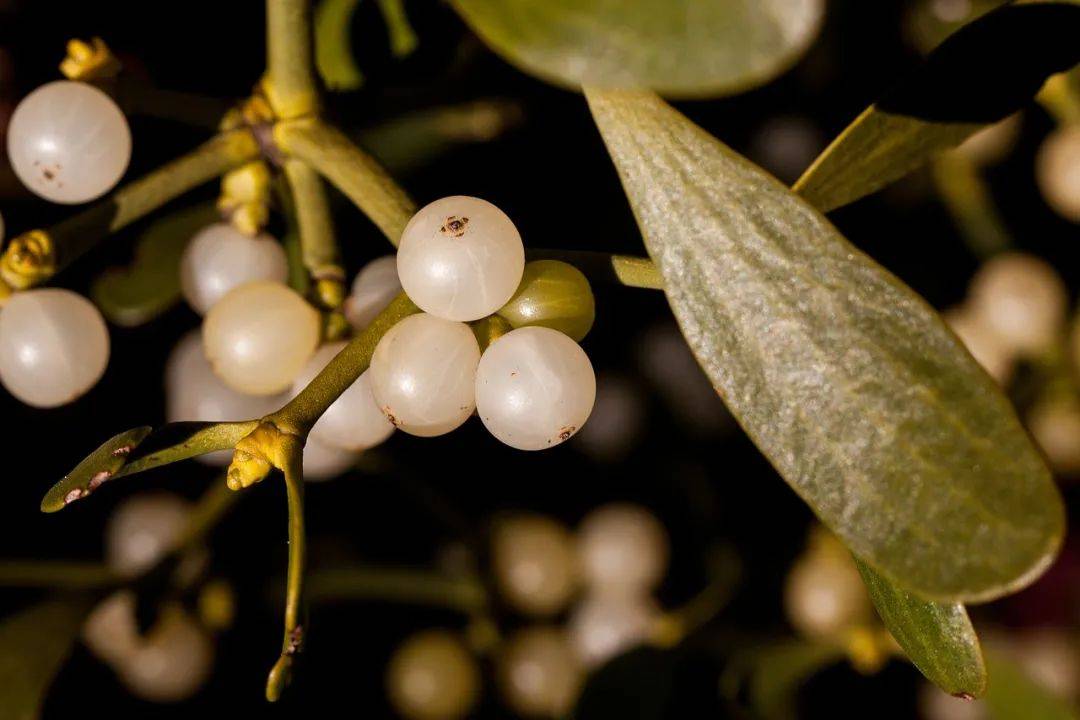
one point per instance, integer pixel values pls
(59, 575)
(319, 249)
(290, 59)
(73, 237)
(355, 173)
(398, 585)
(967, 198)
(293, 639)
(301, 413)
(138, 97)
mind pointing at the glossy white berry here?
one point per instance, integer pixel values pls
(1057, 170)
(535, 388)
(372, 290)
(622, 547)
(193, 392)
(432, 676)
(259, 336)
(142, 530)
(534, 563)
(220, 258)
(539, 673)
(353, 421)
(68, 142)
(54, 346)
(605, 624)
(322, 462)
(423, 374)
(111, 630)
(460, 258)
(172, 661)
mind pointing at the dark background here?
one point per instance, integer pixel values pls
(552, 176)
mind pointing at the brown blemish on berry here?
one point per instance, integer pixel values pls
(454, 226)
(566, 432)
(390, 416)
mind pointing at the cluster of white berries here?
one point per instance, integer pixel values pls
(68, 142)
(617, 558)
(172, 659)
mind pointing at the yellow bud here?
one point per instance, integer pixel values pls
(89, 61)
(260, 451)
(247, 183)
(28, 260)
(330, 291)
(217, 605)
(865, 651)
(250, 218)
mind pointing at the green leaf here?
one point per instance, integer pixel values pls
(966, 83)
(36, 642)
(848, 382)
(937, 637)
(1012, 695)
(137, 450)
(680, 48)
(333, 45)
(151, 285)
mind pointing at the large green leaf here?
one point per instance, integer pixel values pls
(937, 637)
(680, 48)
(846, 379)
(35, 643)
(1012, 695)
(137, 450)
(969, 81)
(137, 294)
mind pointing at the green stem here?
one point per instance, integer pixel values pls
(351, 170)
(319, 250)
(301, 413)
(605, 268)
(59, 575)
(293, 639)
(137, 97)
(967, 198)
(211, 507)
(290, 59)
(73, 237)
(398, 585)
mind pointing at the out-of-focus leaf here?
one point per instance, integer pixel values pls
(1012, 695)
(968, 82)
(846, 379)
(937, 637)
(778, 671)
(140, 449)
(333, 45)
(139, 293)
(680, 48)
(35, 643)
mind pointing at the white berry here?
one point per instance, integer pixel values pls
(220, 258)
(535, 388)
(142, 530)
(1022, 300)
(353, 421)
(172, 662)
(460, 258)
(423, 374)
(372, 290)
(534, 564)
(432, 676)
(604, 625)
(259, 336)
(193, 392)
(54, 346)
(68, 142)
(539, 674)
(622, 547)
(322, 462)
(1057, 170)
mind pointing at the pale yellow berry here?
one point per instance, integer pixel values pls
(993, 143)
(172, 662)
(534, 562)
(1021, 299)
(1057, 170)
(259, 336)
(432, 676)
(143, 529)
(539, 673)
(111, 631)
(606, 624)
(824, 596)
(1055, 425)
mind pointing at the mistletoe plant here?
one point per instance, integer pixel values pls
(845, 379)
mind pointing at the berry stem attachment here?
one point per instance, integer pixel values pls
(301, 413)
(295, 621)
(355, 173)
(290, 84)
(71, 238)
